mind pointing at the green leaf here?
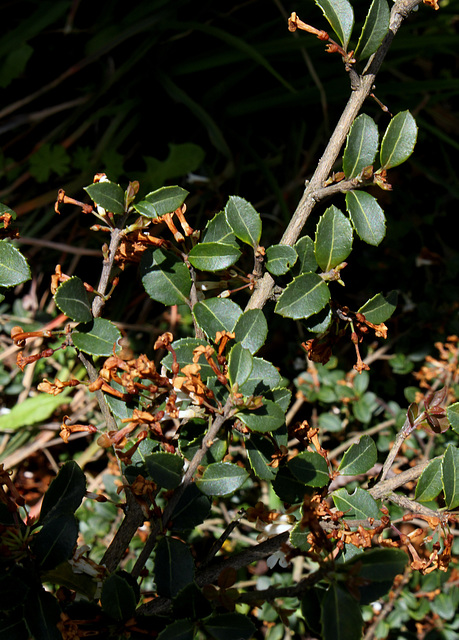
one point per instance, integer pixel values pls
(310, 468)
(216, 314)
(108, 195)
(162, 201)
(65, 493)
(340, 615)
(280, 259)
(380, 565)
(399, 140)
(174, 567)
(221, 479)
(263, 377)
(357, 505)
(361, 146)
(178, 630)
(42, 615)
(191, 510)
(306, 295)
(184, 352)
(165, 277)
(98, 338)
(430, 483)
(359, 458)
(243, 220)
(48, 159)
(452, 413)
(251, 330)
(218, 230)
(367, 217)
(240, 363)
(268, 417)
(333, 241)
(374, 30)
(259, 451)
(287, 487)
(191, 603)
(379, 308)
(118, 598)
(14, 269)
(306, 256)
(31, 410)
(55, 541)
(229, 626)
(182, 159)
(165, 469)
(213, 256)
(72, 299)
(340, 15)
(450, 476)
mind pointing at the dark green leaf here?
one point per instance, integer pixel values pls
(191, 510)
(240, 363)
(374, 30)
(310, 468)
(452, 413)
(380, 565)
(367, 217)
(359, 458)
(108, 195)
(357, 505)
(430, 484)
(259, 451)
(243, 220)
(333, 241)
(399, 140)
(263, 377)
(280, 259)
(165, 277)
(191, 603)
(99, 338)
(340, 15)
(288, 488)
(213, 256)
(251, 330)
(72, 299)
(216, 314)
(174, 567)
(221, 479)
(162, 201)
(65, 492)
(13, 266)
(379, 308)
(42, 615)
(55, 541)
(229, 626)
(165, 469)
(306, 295)
(306, 256)
(361, 146)
(118, 598)
(268, 417)
(178, 630)
(450, 476)
(184, 351)
(218, 230)
(340, 615)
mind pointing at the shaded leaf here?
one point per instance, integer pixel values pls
(165, 277)
(228, 626)
(174, 567)
(374, 30)
(430, 483)
(359, 458)
(178, 630)
(243, 220)
(118, 598)
(240, 363)
(99, 338)
(340, 15)
(380, 565)
(13, 266)
(333, 242)
(216, 314)
(399, 140)
(55, 541)
(72, 299)
(259, 451)
(221, 479)
(367, 217)
(213, 256)
(191, 510)
(310, 468)
(165, 469)
(108, 195)
(450, 476)
(268, 417)
(280, 259)
(306, 295)
(452, 413)
(184, 352)
(42, 615)
(65, 493)
(361, 146)
(263, 377)
(357, 505)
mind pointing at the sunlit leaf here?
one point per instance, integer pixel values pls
(108, 195)
(213, 256)
(72, 299)
(221, 479)
(374, 30)
(244, 221)
(268, 417)
(306, 295)
(165, 277)
(359, 458)
(333, 242)
(367, 217)
(399, 140)
(357, 505)
(98, 338)
(361, 146)
(430, 483)
(340, 15)
(161, 201)
(450, 476)
(379, 308)
(280, 258)
(310, 468)
(240, 363)
(216, 314)
(13, 266)
(251, 330)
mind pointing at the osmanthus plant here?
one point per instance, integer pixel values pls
(210, 422)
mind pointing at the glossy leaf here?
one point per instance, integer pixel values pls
(306, 256)
(165, 277)
(174, 567)
(359, 458)
(430, 483)
(243, 220)
(165, 469)
(251, 330)
(72, 299)
(287, 487)
(310, 468)
(240, 363)
(229, 626)
(399, 140)
(184, 352)
(191, 510)
(280, 259)
(367, 217)
(268, 417)
(340, 15)
(218, 230)
(13, 266)
(333, 242)
(216, 314)
(221, 479)
(162, 201)
(452, 413)
(306, 295)
(379, 308)
(341, 617)
(374, 30)
(65, 492)
(213, 256)
(259, 451)
(99, 338)
(30, 411)
(118, 598)
(263, 377)
(450, 476)
(361, 146)
(357, 505)
(108, 195)
(55, 541)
